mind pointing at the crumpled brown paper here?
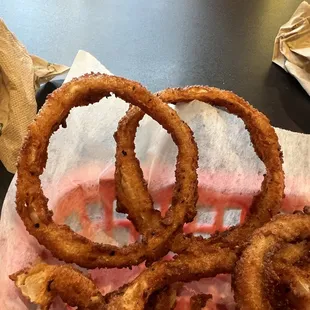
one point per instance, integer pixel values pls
(292, 46)
(20, 75)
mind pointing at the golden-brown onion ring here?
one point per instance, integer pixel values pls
(287, 276)
(249, 274)
(132, 194)
(42, 283)
(210, 259)
(35, 282)
(184, 268)
(265, 204)
(265, 142)
(32, 204)
(298, 282)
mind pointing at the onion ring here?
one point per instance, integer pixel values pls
(32, 204)
(265, 204)
(184, 268)
(42, 283)
(35, 282)
(265, 142)
(132, 195)
(297, 286)
(286, 276)
(249, 272)
(201, 258)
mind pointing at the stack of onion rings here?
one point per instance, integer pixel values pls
(32, 204)
(196, 257)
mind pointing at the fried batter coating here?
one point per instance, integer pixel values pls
(184, 268)
(265, 204)
(164, 299)
(249, 275)
(287, 276)
(199, 301)
(32, 204)
(132, 194)
(197, 257)
(265, 142)
(42, 283)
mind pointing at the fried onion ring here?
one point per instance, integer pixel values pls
(34, 281)
(296, 284)
(42, 283)
(249, 273)
(265, 142)
(184, 268)
(32, 204)
(286, 276)
(265, 204)
(198, 257)
(132, 194)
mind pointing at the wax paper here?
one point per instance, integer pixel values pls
(78, 181)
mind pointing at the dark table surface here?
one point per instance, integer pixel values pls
(163, 43)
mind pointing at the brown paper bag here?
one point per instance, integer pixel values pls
(20, 75)
(292, 46)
